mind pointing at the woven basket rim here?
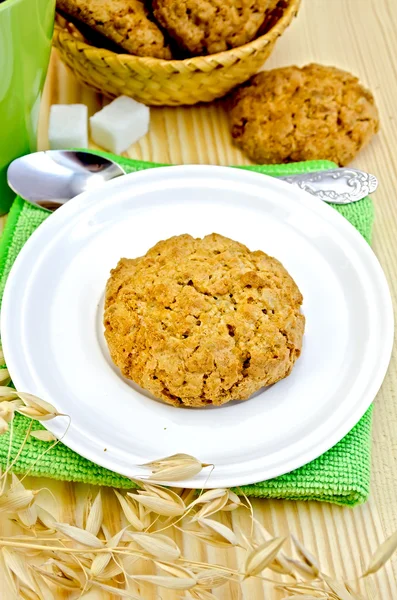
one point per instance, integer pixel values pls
(194, 61)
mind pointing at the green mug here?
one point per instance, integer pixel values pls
(26, 28)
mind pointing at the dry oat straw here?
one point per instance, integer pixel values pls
(85, 555)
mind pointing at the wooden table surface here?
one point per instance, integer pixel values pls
(359, 36)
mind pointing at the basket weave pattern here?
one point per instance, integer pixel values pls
(160, 82)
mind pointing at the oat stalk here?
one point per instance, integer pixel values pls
(53, 555)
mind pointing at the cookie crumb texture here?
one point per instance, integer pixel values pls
(203, 321)
(296, 114)
(210, 26)
(126, 22)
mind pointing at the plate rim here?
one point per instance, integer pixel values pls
(86, 199)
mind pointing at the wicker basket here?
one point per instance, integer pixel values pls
(168, 82)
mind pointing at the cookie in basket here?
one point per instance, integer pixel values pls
(297, 114)
(126, 23)
(203, 321)
(210, 26)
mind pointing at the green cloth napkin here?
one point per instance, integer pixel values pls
(341, 475)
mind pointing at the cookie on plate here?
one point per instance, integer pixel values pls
(203, 321)
(295, 114)
(125, 22)
(210, 26)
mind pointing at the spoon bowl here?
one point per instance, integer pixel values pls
(51, 178)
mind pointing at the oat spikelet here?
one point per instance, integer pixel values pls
(279, 564)
(70, 571)
(7, 411)
(259, 558)
(174, 570)
(306, 556)
(211, 508)
(58, 579)
(188, 495)
(301, 568)
(171, 583)
(15, 500)
(208, 496)
(36, 408)
(382, 554)
(129, 511)
(304, 588)
(151, 489)
(19, 566)
(339, 588)
(233, 501)
(217, 533)
(45, 592)
(110, 572)
(95, 516)
(100, 563)
(212, 578)
(28, 517)
(114, 541)
(27, 594)
(4, 377)
(175, 467)
(157, 545)
(8, 576)
(43, 435)
(180, 578)
(116, 591)
(7, 393)
(171, 507)
(79, 535)
(46, 518)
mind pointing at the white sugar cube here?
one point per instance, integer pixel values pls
(120, 124)
(68, 126)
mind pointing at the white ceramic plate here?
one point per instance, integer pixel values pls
(53, 336)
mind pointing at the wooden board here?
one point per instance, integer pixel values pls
(358, 35)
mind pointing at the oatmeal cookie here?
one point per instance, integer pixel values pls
(210, 26)
(296, 114)
(203, 321)
(125, 22)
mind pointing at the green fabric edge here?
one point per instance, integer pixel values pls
(7, 235)
(349, 470)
